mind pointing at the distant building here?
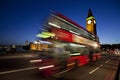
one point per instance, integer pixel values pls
(110, 46)
(26, 43)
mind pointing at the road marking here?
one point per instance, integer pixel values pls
(38, 60)
(71, 64)
(18, 70)
(10, 57)
(61, 72)
(107, 61)
(29, 55)
(95, 69)
(45, 67)
(18, 56)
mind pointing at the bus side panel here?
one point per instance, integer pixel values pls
(81, 60)
(96, 56)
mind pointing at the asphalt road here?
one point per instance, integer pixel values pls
(18, 67)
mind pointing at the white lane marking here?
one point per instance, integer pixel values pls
(45, 67)
(9, 57)
(29, 55)
(18, 70)
(18, 56)
(107, 61)
(95, 69)
(71, 64)
(38, 60)
(101, 65)
(61, 72)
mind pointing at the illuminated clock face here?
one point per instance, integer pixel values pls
(94, 21)
(89, 21)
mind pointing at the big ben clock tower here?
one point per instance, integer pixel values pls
(91, 23)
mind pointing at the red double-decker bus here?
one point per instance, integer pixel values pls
(71, 45)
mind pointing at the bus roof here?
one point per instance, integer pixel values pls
(71, 21)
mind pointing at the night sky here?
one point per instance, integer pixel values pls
(21, 20)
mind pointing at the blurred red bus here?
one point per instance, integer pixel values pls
(72, 45)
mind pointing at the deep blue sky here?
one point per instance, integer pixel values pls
(20, 20)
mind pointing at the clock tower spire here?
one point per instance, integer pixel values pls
(91, 23)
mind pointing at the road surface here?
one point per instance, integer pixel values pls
(19, 68)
